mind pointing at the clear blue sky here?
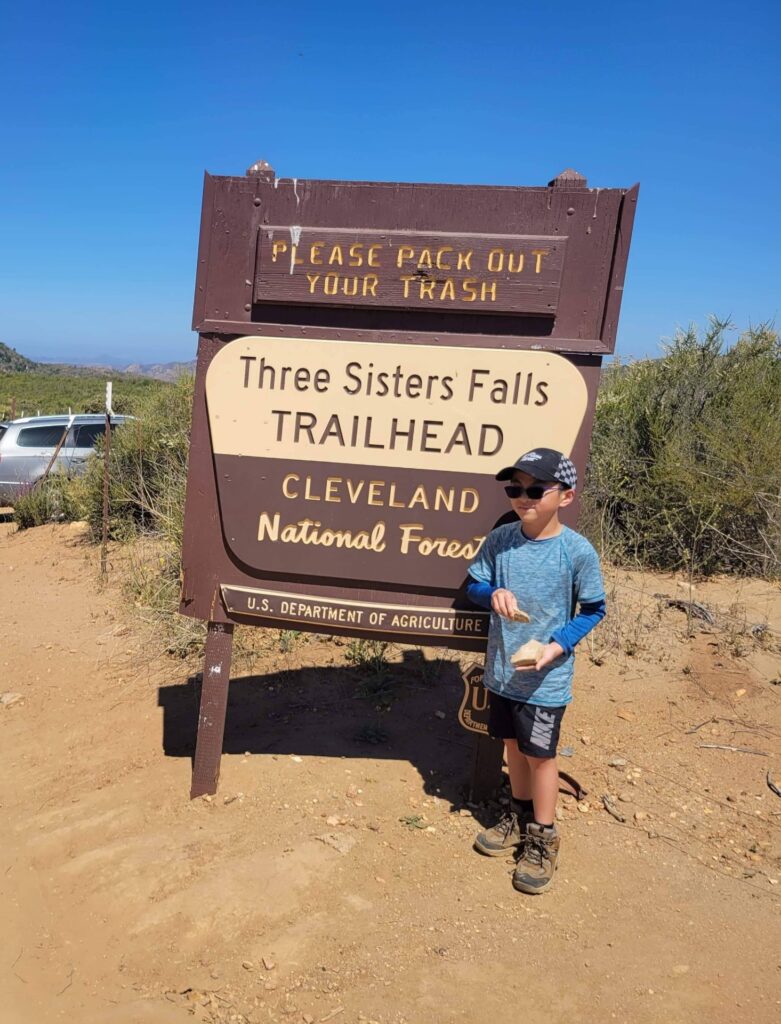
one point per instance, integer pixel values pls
(112, 111)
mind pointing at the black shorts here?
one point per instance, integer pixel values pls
(536, 728)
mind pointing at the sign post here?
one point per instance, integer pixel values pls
(370, 354)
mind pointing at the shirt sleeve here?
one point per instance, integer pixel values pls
(480, 593)
(588, 583)
(483, 564)
(589, 615)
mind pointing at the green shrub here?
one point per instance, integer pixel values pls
(58, 499)
(685, 466)
(147, 469)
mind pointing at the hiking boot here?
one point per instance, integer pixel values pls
(507, 834)
(537, 860)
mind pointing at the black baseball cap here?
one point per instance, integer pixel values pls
(543, 464)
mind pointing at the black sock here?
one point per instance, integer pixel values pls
(542, 824)
(524, 806)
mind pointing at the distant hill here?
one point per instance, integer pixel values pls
(161, 371)
(12, 362)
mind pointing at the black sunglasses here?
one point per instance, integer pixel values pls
(535, 492)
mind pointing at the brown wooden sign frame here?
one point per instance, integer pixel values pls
(369, 355)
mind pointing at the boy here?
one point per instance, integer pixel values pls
(544, 568)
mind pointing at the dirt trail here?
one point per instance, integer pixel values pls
(332, 877)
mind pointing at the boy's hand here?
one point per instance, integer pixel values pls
(504, 602)
(551, 652)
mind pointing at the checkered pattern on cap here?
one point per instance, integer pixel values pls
(566, 472)
(543, 464)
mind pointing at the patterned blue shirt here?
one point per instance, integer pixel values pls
(548, 577)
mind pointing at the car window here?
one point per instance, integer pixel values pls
(2, 430)
(40, 437)
(88, 433)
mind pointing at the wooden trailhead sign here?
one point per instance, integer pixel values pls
(370, 355)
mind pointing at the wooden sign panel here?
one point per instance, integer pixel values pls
(370, 356)
(397, 269)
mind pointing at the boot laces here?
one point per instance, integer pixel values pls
(536, 849)
(505, 824)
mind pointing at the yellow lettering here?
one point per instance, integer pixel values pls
(276, 249)
(350, 281)
(406, 278)
(356, 257)
(371, 260)
(511, 263)
(290, 478)
(314, 253)
(419, 498)
(495, 260)
(330, 283)
(308, 496)
(427, 289)
(312, 279)
(464, 260)
(404, 253)
(466, 494)
(373, 496)
(448, 289)
(539, 253)
(441, 265)
(485, 288)
(407, 535)
(370, 283)
(336, 256)
(330, 487)
(468, 285)
(425, 259)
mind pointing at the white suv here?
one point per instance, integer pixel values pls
(27, 445)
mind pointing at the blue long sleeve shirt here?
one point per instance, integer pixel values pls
(590, 614)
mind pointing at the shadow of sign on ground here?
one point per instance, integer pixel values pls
(401, 711)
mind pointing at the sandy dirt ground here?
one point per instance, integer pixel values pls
(332, 877)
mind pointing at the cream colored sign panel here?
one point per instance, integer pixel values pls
(421, 407)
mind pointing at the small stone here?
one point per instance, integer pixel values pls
(296, 758)
(617, 762)
(248, 965)
(430, 829)
(624, 797)
(584, 806)
(627, 714)
(559, 814)
(641, 816)
(9, 699)
(307, 1018)
(352, 791)
(464, 813)
(268, 963)
(229, 799)
(567, 751)
(439, 714)
(739, 693)
(378, 878)
(585, 740)
(332, 820)
(207, 798)
(680, 969)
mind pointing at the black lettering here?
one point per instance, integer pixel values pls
(542, 393)
(281, 413)
(349, 370)
(305, 422)
(474, 383)
(426, 435)
(301, 379)
(322, 380)
(414, 384)
(248, 360)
